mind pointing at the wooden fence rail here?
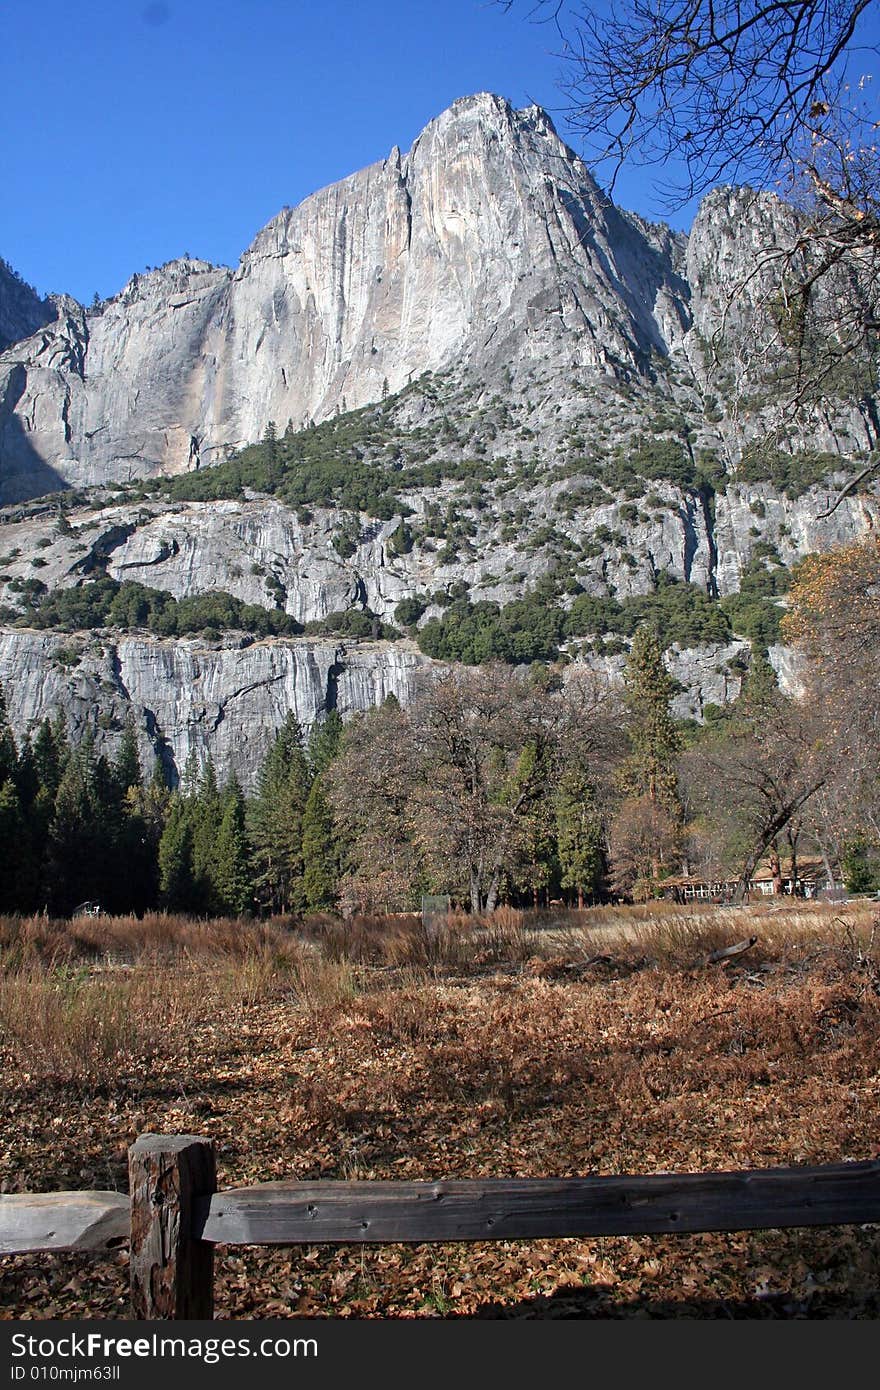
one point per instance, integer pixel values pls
(174, 1215)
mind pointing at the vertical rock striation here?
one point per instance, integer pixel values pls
(487, 244)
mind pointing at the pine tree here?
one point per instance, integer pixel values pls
(177, 889)
(206, 813)
(77, 840)
(579, 837)
(651, 768)
(17, 867)
(230, 871)
(51, 752)
(270, 444)
(274, 821)
(189, 782)
(18, 843)
(105, 791)
(324, 742)
(320, 852)
(136, 887)
(127, 771)
(8, 750)
(26, 780)
(47, 759)
(648, 823)
(142, 817)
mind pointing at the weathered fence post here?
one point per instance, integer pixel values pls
(172, 1275)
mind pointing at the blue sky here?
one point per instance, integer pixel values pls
(137, 130)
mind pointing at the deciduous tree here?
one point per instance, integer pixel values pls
(486, 742)
(370, 787)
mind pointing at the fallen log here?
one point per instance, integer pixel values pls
(728, 952)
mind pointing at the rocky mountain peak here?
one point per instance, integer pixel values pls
(725, 251)
(488, 243)
(168, 279)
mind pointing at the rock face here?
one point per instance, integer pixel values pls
(228, 700)
(708, 675)
(190, 698)
(732, 346)
(262, 553)
(797, 527)
(528, 371)
(488, 243)
(249, 549)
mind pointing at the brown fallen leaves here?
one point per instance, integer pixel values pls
(639, 1066)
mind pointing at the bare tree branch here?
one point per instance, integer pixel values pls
(762, 92)
(850, 488)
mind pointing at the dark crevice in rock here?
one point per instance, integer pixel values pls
(707, 500)
(116, 673)
(99, 554)
(334, 673)
(687, 512)
(161, 748)
(168, 548)
(236, 695)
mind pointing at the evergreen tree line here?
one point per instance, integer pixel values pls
(75, 826)
(343, 819)
(535, 627)
(494, 785)
(78, 827)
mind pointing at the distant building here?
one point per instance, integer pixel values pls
(809, 881)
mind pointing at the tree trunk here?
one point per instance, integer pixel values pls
(747, 871)
(776, 870)
(475, 893)
(792, 834)
(768, 835)
(826, 863)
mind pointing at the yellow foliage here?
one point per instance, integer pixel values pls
(835, 599)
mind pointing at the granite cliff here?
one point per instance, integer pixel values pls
(487, 243)
(484, 382)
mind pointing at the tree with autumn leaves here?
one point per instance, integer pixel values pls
(757, 770)
(834, 621)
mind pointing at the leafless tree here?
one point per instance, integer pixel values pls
(644, 838)
(369, 786)
(761, 768)
(834, 622)
(725, 92)
(487, 745)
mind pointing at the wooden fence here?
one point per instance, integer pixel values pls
(174, 1215)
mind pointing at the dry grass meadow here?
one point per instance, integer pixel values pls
(594, 1042)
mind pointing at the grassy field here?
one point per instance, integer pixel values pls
(594, 1042)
